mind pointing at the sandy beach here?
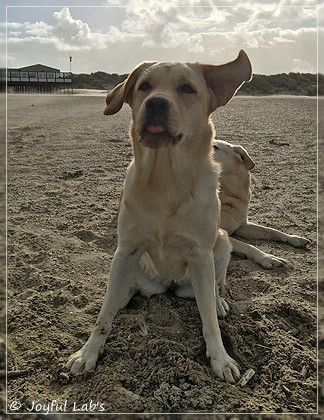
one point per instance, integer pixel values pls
(66, 166)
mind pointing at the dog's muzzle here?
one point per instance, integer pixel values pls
(155, 131)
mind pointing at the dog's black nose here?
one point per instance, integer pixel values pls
(157, 104)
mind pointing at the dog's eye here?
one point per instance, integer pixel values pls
(144, 86)
(187, 89)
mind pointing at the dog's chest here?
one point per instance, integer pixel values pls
(168, 255)
(172, 224)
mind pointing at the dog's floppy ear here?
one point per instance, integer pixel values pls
(115, 99)
(224, 80)
(123, 92)
(244, 157)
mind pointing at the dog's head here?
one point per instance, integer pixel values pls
(231, 157)
(172, 101)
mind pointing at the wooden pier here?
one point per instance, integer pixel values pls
(36, 79)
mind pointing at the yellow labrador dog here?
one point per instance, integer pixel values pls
(168, 224)
(235, 194)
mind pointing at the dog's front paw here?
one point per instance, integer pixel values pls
(222, 307)
(269, 261)
(83, 360)
(298, 241)
(226, 368)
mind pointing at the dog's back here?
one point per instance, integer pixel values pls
(234, 192)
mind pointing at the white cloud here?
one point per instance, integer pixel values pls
(204, 17)
(12, 25)
(68, 29)
(298, 3)
(38, 29)
(277, 39)
(68, 34)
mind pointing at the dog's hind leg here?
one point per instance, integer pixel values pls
(222, 254)
(129, 296)
(186, 291)
(147, 283)
(267, 261)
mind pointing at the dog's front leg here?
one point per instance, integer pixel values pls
(202, 273)
(267, 261)
(123, 271)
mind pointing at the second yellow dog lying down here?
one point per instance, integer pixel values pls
(235, 195)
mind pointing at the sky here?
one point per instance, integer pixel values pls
(114, 36)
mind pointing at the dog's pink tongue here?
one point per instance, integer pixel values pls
(155, 128)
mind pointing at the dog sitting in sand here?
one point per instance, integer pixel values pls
(168, 224)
